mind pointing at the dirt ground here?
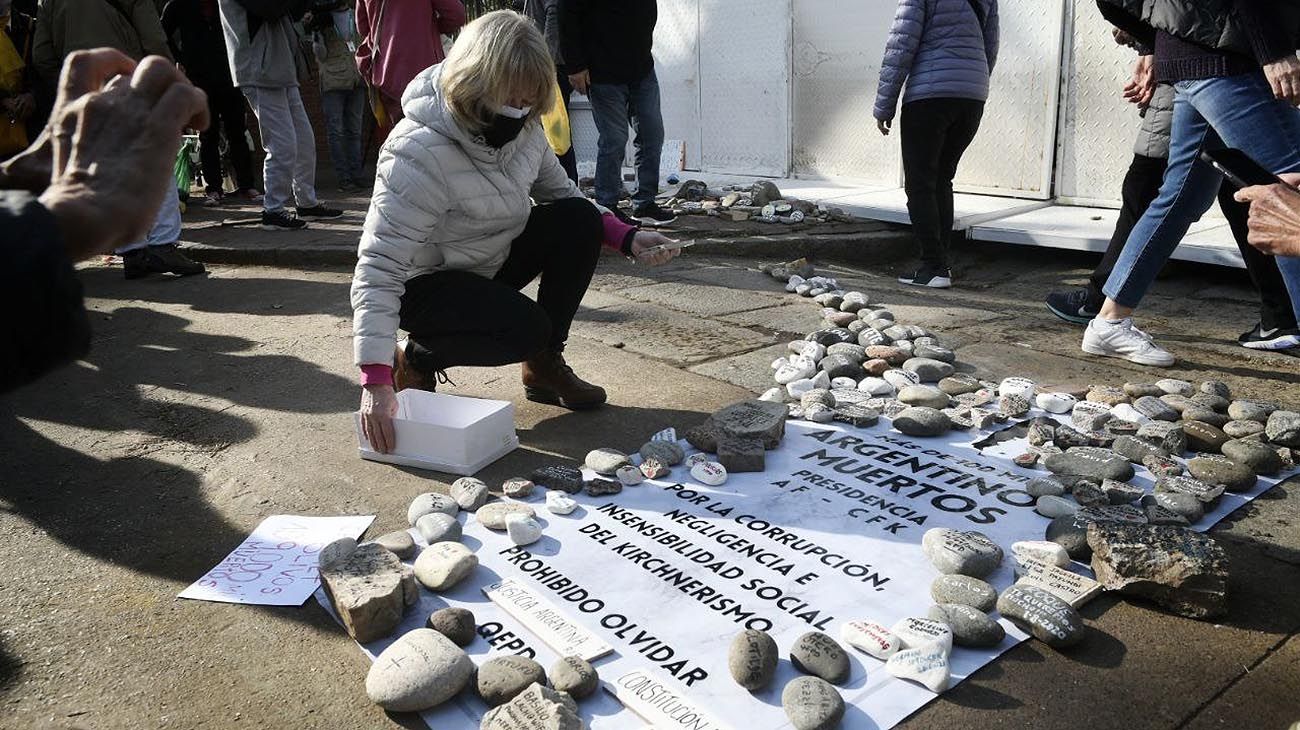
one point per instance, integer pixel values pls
(208, 404)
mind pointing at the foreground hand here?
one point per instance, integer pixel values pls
(1142, 86)
(644, 240)
(581, 82)
(1274, 216)
(378, 408)
(884, 126)
(111, 151)
(1284, 76)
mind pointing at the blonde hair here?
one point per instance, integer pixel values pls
(498, 55)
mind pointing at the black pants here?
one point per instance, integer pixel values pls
(568, 160)
(1141, 184)
(935, 134)
(459, 318)
(226, 110)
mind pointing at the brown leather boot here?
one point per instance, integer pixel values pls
(405, 376)
(549, 379)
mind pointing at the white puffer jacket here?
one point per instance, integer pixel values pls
(443, 200)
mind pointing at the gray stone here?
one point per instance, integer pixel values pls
(1119, 428)
(1203, 436)
(965, 590)
(606, 461)
(841, 366)
(1205, 415)
(399, 543)
(817, 654)
(503, 678)
(1176, 387)
(970, 627)
(574, 676)
(1179, 569)
(1157, 515)
(1121, 492)
(1217, 388)
(1223, 472)
(1070, 532)
(1242, 429)
(1050, 619)
(922, 421)
(603, 487)
(1259, 457)
(812, 704)
(752, 659)
(1040, 433)
(1052, 506)
(752, 419)
(849, 350)
(1179, 403)
(1206, 493)
(430, 502)
(1135, 449)
(1186, 505)
(1250, 410)
(1283, 428)
(959, 384)
(1013, 405)
(1089, 494)
(420, 670)
(927, 369)
(517, 488)
(1216, 403)
(457, 624)
(439, 527)
(962, 553)
(1155, 409)
(1162, 466)
(494, 516)
(934, 352)
(441, 566)
(1066, 437)
(1090, 463)
(741, 455)
(1169, 437)
(536, 708)
(1045, 485)
(1107, 395)
(668, 453)
(1113, 513)
(1138, 390)
(923, 395)
(817, 396)
(559, 476)
(368, 586)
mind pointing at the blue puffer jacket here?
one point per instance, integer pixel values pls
(938, 48)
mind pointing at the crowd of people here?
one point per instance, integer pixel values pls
(474, 197)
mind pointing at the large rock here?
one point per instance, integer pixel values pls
(1203, 436)
(1260, 457)
(369, 587)
(922, 421)
(420, 670)
(752, 420)
(812, 704)
(536, 708)
(606, 461)
(1091, 463)
(752, 659)
(1283, 428)
(1177, 568)
(497, 515)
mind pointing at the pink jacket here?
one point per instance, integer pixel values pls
(401, 38)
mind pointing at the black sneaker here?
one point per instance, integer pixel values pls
(1272, 339)
(281, 220)
(619, 214)
(1074, 305)
(931, 276)
(319, 211)
(166, 259)
(651, 214)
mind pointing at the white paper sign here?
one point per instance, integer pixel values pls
(276, 565)
(661, 702)
(566, 636)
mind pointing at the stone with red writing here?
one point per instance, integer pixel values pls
(752, 659)
(457, 624)
(872, 638)
(964, 553)
(710, 473)
(419, 671)
(1050, 619)
(817, 654)
(812, 704)
(503, 678)
(368, 586)
(916, 632)
(536, 708)
(654, 469)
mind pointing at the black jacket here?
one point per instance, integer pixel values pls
(609, 38)
(198, 43)
(45, 321)
(1264, 30)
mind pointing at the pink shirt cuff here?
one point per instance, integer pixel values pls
(376, 374)
(615, 231)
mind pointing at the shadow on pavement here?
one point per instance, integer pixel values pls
(243, 295)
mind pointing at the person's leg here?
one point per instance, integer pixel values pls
(922, 128)
(332, 105)
(275, 125)
(353, 113)
(1275, 311)
(232, 110)
(1141, 185)
(210, 147)
(965, 125)
(1290, 268)
(648, 123)
(304, 161)
(609, 110)
(568, 160)
(158, 253)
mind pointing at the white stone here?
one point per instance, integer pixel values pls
(557, 503)
(420, 670)
(1126, 412)
(901, 378)
(1042, 550)
(773, 395)
(442, 565)
(428, 503)
(794, 282)
(696, 458)
(877, 386)
(1176, 387)
(1055, 402)
(821, 381)
(1023, 387)
(799, 387)
(919, 632)
(523, 530)
(818, 413)
(797, 369)
(871, 638)
(843, 382)
(630, 476)
(709, 472)
(780, 362)
(927, 665)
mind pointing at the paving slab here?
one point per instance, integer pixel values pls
(1272, 683)
(666, 335)
(706, 299)
(751, 370)
(793, 320)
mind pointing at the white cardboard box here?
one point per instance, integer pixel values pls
(446, 433)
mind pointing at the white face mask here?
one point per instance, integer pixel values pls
(513, 113)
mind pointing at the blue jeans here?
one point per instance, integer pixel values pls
(1236, 111)
(613, 106)
(343, 109)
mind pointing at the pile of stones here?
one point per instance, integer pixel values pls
(761, 201)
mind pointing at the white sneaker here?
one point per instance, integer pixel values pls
(1121, 339)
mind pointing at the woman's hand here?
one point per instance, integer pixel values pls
(1142, 86)
(1284, 76)
(378, 408)
(645, 240)
(883, 125)
(1274, 217)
